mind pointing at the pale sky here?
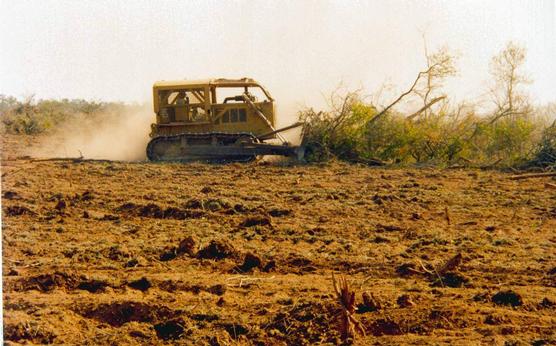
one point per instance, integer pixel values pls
(115, 50)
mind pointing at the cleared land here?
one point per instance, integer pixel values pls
(144, 253)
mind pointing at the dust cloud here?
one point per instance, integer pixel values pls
(115, 134)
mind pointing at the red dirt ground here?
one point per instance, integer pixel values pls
(143, 253)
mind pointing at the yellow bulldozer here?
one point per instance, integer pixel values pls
(216, 120)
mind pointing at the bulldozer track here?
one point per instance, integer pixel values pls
(223, 138)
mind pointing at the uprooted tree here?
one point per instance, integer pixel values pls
(440, 131)
(357, 131)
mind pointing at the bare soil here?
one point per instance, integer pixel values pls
(144, 253)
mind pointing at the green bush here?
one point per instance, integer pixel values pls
(510, 141)
(338, 132)
(350, 132)
(545, 155)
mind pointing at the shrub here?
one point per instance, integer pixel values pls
(545, 155)
(337, 132)
(350, 132)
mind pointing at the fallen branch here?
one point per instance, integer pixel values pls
(427, 106)
(434, 272)
(75, 160)
(532, 175)
(409, 91)
(424, 268)
(491, 165)
(245, 280)
(371, 162)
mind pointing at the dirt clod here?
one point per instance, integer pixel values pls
(142, 284)
(194, 204)
(93, 286)
(47, 282)
(215, 204)
(155, 211)
(61, 205)
(370, 303)
(250, 262)
(277, 212)
(169, 253)
(87, 196)
(217, 250)
(109, 217)
(207, 189)
(387, 228)
(17, 210)
(547, 303)
(258, 220)
(269, 266)
(61, 280)
(385, 327)
(508, 297)
(187, 246)
(218, 290)
(451, 279)
(405, 301)
(151, 210)
(240, 208)
(119, 313)
(10, 195)
(25, 332)
(169, 330)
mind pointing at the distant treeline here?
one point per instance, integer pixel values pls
(33, 117)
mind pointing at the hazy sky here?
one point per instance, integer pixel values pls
(115, 50)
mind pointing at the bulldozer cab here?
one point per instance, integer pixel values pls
(182, 106)
(216, 105)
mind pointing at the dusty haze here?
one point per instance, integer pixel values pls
(112, 134)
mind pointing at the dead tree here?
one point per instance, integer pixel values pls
(507, 95)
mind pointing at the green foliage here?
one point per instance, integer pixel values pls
(338, 132)
(545, 155)
(30, 117)
(443, 137)
(508, 140)
(437, 138)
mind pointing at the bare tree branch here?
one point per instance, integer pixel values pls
(427, 106)
(409, 91)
